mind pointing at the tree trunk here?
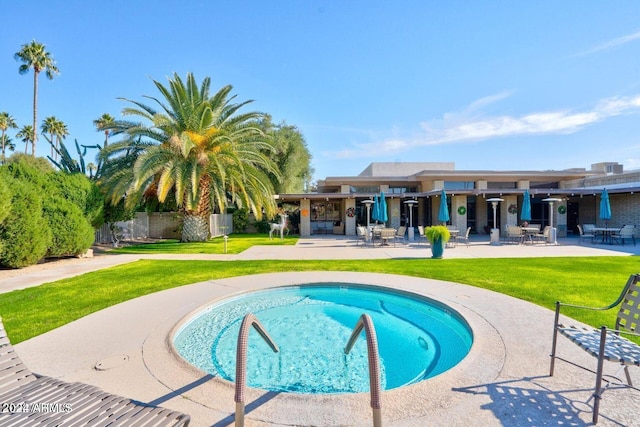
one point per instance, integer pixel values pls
(35, 111)
(195, 228)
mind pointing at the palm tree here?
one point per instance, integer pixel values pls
(26, 135)
(104, 124)
(57, 131)
(198, 149)
(6, 122)
(34, 55)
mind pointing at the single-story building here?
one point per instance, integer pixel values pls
(337, 205)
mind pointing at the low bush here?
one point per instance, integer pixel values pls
(25, 233)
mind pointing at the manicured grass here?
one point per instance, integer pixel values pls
(592, 281)
(236, 243)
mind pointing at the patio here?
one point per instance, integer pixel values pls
(503, 381)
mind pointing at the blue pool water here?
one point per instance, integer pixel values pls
(418, 338)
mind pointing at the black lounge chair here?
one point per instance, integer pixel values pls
(29, 399)
(604, 343)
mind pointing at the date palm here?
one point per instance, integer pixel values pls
(57, 131)
(6, 122)
(197, 148)
(34, 55)
(26, 135)
(104, 124)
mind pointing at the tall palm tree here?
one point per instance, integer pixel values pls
(104, 124)
(34, 55)
(196, 148)
(57, 131)
(6, 122)
(26, 135)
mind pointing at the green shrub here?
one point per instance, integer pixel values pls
(240, 220)
(25, 233)
(80, 191)
(5, 198)
(71, 232)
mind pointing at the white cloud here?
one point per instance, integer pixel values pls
(610, 44)
(457, 128)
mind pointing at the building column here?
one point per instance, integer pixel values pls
(457, 220)
(350, 222)
(305, 218)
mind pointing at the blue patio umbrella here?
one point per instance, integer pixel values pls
(605, 206)
(443, 213)
(375, 209)
(525, 213)
(382, 209)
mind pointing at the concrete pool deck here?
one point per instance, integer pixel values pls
(503, 382)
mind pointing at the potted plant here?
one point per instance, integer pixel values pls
(438, 236)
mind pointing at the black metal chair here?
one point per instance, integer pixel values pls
(66, 403)
(604, 343)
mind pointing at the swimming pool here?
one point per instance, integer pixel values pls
(418, 338)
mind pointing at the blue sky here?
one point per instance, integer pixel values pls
(487, 85)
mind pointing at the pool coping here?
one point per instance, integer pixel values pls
(507, 383)
(332, 409)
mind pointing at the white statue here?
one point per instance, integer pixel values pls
(279, 227)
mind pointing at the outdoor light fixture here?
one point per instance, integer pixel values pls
(495, 232)
(552, 231)
(368, 204)
(410, 230)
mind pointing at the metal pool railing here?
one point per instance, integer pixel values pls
(364, 322)
(374, 363)
(241, 361)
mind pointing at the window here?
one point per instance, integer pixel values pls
(459, 185)
(363, 189)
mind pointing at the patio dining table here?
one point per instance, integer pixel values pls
(454, 233)
(605, 232)
(529, 232)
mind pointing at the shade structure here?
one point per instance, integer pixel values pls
(525, 213)
(382, 209)
(443, 213)
(375, 209)
(605, 206)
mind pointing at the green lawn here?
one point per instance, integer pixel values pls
(583, 280)
(236, 243)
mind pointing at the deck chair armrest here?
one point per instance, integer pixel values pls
(563, 304)
(622, 332)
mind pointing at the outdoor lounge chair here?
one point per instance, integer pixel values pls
(421, 235)
(400, 234)
(585, 235)
(514, 234)
(464, 238)
(60, 403)
(604, 343)
(363, 235)
(626, 232)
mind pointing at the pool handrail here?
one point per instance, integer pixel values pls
(366, 322)
(241, 361)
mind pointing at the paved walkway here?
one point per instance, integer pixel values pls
(503, 382)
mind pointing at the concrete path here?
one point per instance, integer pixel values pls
(503, 382)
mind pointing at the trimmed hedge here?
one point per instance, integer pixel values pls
(51, 213)
(25, 234)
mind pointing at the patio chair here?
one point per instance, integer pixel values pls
(514, 234)
(626, 232)
(400, 234)
(585, 235)
(74, 404)
(544, 236)
(465, 237)
(421, 235)
(604, 343)
(387, 235)
(364, 237)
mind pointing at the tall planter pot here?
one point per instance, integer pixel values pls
(437, 248)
